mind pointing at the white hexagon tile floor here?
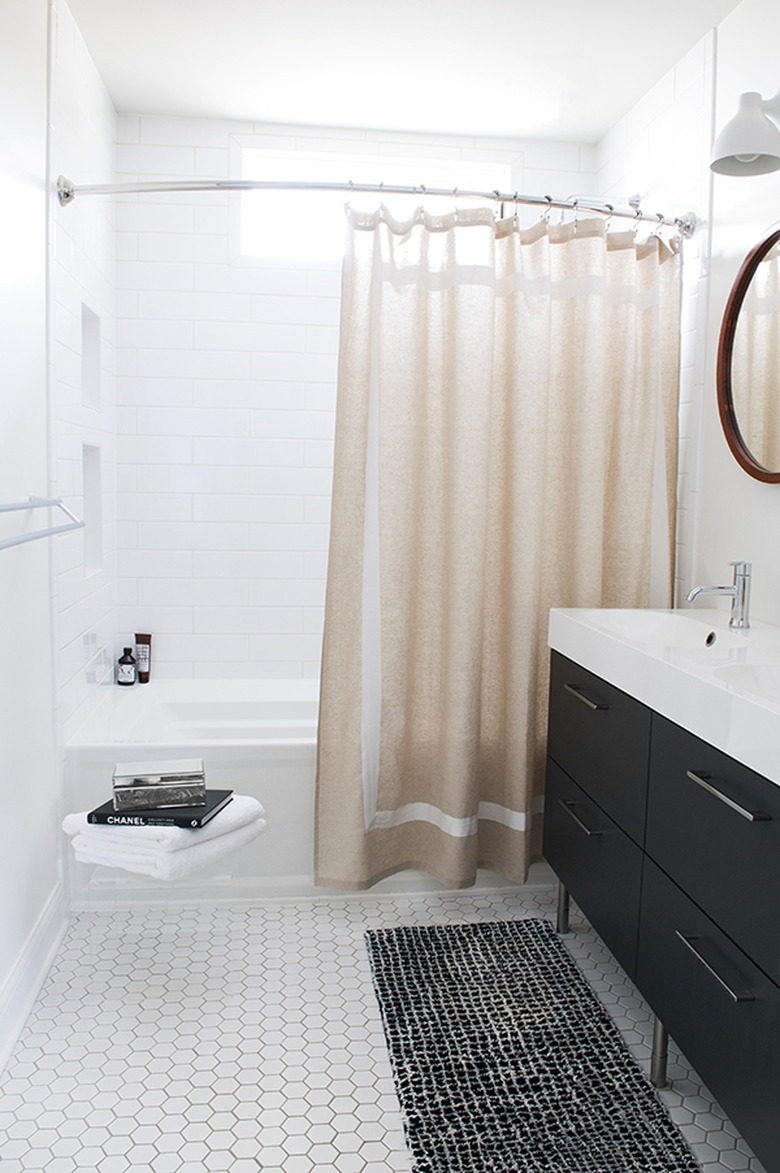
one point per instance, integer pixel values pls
(238, 1039)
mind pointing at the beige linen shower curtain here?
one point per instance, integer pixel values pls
(506, 419)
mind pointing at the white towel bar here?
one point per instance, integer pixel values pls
(39, 503)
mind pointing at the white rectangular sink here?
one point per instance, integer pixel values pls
(667, 629)
(721, 684)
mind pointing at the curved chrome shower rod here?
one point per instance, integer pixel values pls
(686, 225)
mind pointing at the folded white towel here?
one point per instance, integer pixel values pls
(240, 811)
(162, 863)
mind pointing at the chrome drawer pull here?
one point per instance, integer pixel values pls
(744, 996)
(567, 806)
(575, 691)
(753, 816)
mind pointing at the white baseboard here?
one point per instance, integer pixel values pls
(21, 987)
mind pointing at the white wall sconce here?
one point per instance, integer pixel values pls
(750, 143)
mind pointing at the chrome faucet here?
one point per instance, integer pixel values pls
(739, 593)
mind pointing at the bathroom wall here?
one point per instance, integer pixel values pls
(739, 517)
(83, 417)
(33, 908)
(226, 383)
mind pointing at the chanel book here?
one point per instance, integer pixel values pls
(170, 816)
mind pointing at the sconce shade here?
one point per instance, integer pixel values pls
(750, 143)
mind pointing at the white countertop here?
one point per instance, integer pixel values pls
(721, 684)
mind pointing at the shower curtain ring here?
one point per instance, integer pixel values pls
(548, 209)
(657, 230)
(576, 206)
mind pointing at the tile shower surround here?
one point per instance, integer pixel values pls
(180, 279)
(226, 389)
(226, 372)
(235, 1039)
(226, 368)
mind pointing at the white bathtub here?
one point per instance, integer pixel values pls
(206, 712)
(255, 737)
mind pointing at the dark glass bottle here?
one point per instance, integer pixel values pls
(126, 668)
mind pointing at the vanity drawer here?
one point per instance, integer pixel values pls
(596, 861)
(718, 838)
(720, 1009)
(601, 738)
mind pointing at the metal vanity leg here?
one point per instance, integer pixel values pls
(659, 1054)
(562, 922)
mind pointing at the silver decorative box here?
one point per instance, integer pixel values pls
(152, 785)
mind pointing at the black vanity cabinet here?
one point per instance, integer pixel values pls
(598, 745)
(713, 826)
(719, 1007)
(672, 851)
(709, 937)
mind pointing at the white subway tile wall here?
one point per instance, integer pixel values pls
(218, 503)
(226, 385)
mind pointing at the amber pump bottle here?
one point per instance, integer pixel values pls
(126, 667)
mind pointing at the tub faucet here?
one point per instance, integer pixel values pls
(739, 593)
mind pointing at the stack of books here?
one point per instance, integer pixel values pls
(170, 816)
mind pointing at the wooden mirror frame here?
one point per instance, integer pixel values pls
(728, 418)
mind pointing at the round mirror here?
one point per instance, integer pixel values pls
(748, 368)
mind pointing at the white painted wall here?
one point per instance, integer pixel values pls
(739, 517)
(32, 906)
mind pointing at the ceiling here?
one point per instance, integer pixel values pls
(566, 70)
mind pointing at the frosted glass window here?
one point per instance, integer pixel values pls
(90, 357)
(310, 225)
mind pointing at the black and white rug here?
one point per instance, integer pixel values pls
(506, 1062)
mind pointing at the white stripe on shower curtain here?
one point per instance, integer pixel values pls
(501, 398)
